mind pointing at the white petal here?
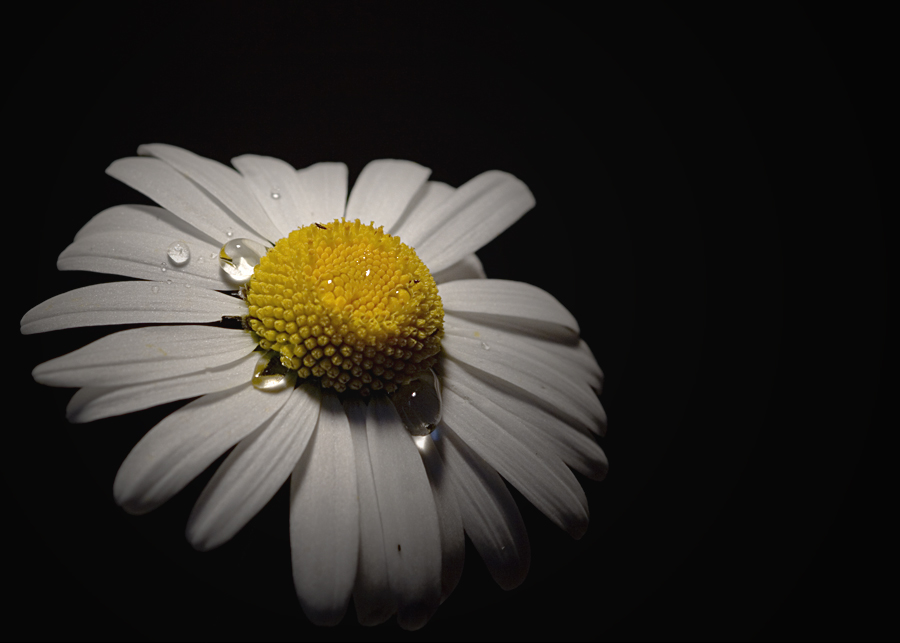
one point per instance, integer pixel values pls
(220, 181)
(131, 302)
(560, 352)
(277, 187)
(505, 298)
(529, 423)
(409, 519)
(179, 195)
(145, 354)
(469, 267)
(254, 471)
(453, 542)
(325, 518)
(516, 363)
(475, 214)
(324, 186)
(417, 219)
(140, 219)
(184, 443)
(134, 241)
(489, 513)
(383, 190)
(371, 594)
(542, 478)
(90, 404)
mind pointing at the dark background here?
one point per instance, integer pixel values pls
(707, 183)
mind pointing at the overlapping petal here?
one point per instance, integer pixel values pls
(131, 302)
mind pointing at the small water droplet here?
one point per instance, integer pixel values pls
(162, 268)
(154, 289)
(239, 257)
(229, 232)
(168, 281)
(485, 346)
(276, 194)
(270, 374)
(419, 403)
(179, 253)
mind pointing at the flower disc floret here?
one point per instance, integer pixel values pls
(349, 304)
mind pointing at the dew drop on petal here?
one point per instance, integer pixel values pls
(271, 375)
(275, 194)
(239, 257)
(154, 289)
(485, 346)
(419, 404)
(179, 253)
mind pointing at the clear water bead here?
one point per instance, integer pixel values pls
(179, 253)
(419, 404)
(276, 195)
(239, 257)
(271, 375)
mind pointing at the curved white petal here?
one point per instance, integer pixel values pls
(372, 592)
(489, 513)
(140, 219)
(383, 190)
(223, 183)
(475, 213)
(277, 188)
(535, 427)
(561, 354)
(325, 518)
(178, 194)
(146, 354)
(453, 542)
(541, 477)
(131, 302)
(469, 267)
(505, 298)
(518, 363)
(254, 471)
(417, 219)
(184, 443)
(90, 404)
(324, 186)
(134, 241)
(409, 521)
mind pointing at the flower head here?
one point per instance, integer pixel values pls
(351, 345)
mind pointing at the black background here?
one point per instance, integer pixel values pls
(707, 183)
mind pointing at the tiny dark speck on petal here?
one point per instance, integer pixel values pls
(398, 546)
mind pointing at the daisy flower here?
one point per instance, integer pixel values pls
(351, 345)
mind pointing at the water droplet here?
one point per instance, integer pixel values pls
(485, 346)
(229, 232)
(270, 374)
(162, 267)
(179, 253)
(154, 289)
(419, 404)
(239, 257)
(276, 194)
(168, 281)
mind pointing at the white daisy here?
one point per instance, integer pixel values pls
(386, 376)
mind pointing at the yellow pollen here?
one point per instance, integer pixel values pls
(349, 304)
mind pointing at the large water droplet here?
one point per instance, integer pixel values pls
(419, 403)
(239, 257)
(179, 253)
(270, 374)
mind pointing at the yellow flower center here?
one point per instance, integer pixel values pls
(349, 304)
